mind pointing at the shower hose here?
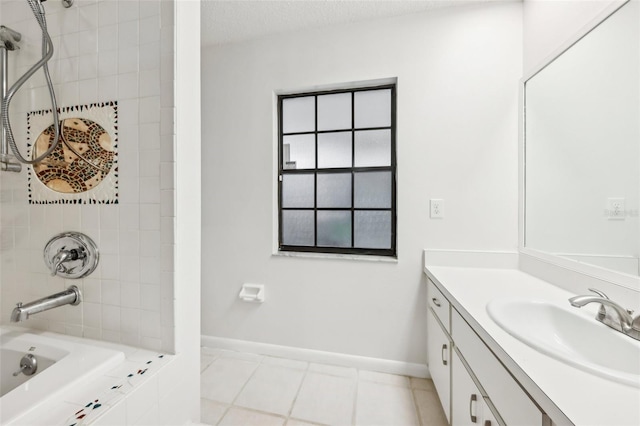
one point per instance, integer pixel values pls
(47, 53)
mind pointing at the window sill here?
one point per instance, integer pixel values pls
(332, 256)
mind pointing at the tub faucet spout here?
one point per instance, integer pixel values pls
(70, 296)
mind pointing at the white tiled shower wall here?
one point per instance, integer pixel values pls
(105, 50)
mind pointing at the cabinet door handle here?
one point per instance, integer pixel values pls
(487, 423)
(442, 354)
(436, 302)
(471, 401)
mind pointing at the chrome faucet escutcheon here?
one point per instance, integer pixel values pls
(610, 313)
(71, 255)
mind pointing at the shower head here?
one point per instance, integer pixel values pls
(9, 38)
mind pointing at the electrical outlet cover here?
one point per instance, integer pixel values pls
(616, 209)
(436, 208)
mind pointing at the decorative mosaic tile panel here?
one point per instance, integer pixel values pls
(122, 386)
(83, 168)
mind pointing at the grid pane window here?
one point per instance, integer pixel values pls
(334, 228)
(372, 148)
(334, 190)
(337, 185)
(373, 108)
(372, 190)
(297, 227)
(298, 114)
(334, 150)
(298, 190)
(299, 152)
(372, 229)
(334, 111)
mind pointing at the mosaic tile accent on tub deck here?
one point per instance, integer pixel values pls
(96, 406)
(83, 169)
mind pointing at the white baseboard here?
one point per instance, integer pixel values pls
(310, 355)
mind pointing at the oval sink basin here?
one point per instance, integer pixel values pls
(571, 337)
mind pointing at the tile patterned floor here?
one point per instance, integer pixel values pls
(252, 390)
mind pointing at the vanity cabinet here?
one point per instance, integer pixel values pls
(468, 407)
(473, 386)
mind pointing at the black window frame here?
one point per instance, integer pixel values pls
(390, 252)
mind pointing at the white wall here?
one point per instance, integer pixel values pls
(458, 73)
(548, 24)
(105, 51)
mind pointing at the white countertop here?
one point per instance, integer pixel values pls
(568, 395)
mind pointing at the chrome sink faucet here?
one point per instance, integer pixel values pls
(610, 313)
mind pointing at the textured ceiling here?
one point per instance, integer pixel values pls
(227, 21)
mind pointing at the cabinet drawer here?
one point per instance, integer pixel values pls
(511, 402)
(440, 305)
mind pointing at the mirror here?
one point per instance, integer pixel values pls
(582, 148)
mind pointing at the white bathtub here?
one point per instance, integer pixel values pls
(62, 364)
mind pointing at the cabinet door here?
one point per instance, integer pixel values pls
(512, 404)
(488, 418)
(439, 353)
(467, 402)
